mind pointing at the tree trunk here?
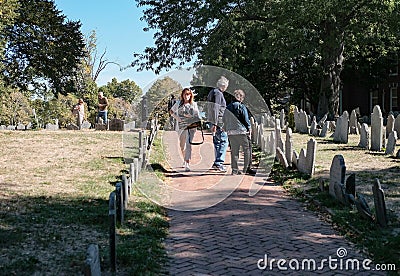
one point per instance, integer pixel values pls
(330, 84)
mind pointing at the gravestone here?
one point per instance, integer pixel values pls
(391, 143)
(92, 262)
(132, 172)
(303, 123)
(337, 173)
(353, 127)
(116, 125)
(341, 134)
(10, 127)
(340, 194)
(137, 168)
(311, 153)
(289, 146)
(3, 127)
(295, 158)
(322, 121)
(282, 119)
(325, 128)
(129, 126)
(72, 126)
(20, 126)
(302, 161)
(397, 124)
(272, 143)
(99, 126)
(351, 185)
(281, 158)
(313, 127)
(376, 129)
(389, 124)
(120, 202)
(380, 205)
(278, 135)
(112, 217)
(363, 208)
(364, 136)
(125, 191)
(86, 125)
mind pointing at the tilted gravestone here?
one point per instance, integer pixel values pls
(337, 173)
(289, 146)
(364, 136)
(112, 216)
(92, 262)
(282, 119)
(306, 160)
(341, 134)
(353, 127)
(389, 124)
(363, 208)
(391, 143)
(380, 205)
(281, 158)
(376, 129)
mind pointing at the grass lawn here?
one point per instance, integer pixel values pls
(54, 190)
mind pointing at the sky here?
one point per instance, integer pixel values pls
(119, 31)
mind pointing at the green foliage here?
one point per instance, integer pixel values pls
(291, 117)
(42, 47)
(14, 107)
(127, 90)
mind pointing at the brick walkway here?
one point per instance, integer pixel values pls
(231, 237)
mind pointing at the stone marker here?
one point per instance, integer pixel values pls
(86, 125)
(353, 127)
(112, 216)
(129, 126)
(120, 202)
(72, 126)
(376, 129)
(116, 125)
(125, 191)
(363, 208)
(282, 119)
(289, 146)
(311, 153)
(21, 126)
(397, 124)
(92, 262)
(281, 158)
(389, 124)
(337, 173)
(341, 134)
(364, 136)
(351, 185)
(391, 143)
(380, 205)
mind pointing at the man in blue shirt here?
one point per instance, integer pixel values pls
(216, 109)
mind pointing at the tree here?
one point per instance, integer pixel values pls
(281, 33)
(127, 90)
(42, 47)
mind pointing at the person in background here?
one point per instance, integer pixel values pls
(185, 111)
(237, 125)
(79, 112)
(103, 104)
(172, 120)
(216, 109)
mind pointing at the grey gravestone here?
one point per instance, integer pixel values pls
(310, 157)
(391, 143)
(376, 129)
(132, 172)
(51, 127)
(20, 127)
(137, 168)
(323, 120)
(92, 262)
(397, 124)
(272, 143)
(340, 194)
(289, 146)
(303, 123)
(353, 125)
(282, 119)
(120, 202)
(295, 158)
(337, 173)
(72, 126)
(129, 126)
(364, 136)
(99, 126)
(86, 125)
(363, 208)
(112, 216)
(10, 127)
(125, 191)
(325, 128)
(281, 158)
(341, 134)
(380, 205)
(278, 135)
(116, 125)
(313, 127)
(302, 162)
(3, 127)
(389, 124)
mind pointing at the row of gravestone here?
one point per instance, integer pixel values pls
(344, 190)
(118, 203)
(283, 151)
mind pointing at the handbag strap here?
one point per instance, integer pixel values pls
(202, 136)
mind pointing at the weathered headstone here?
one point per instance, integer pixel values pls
(376, 129)
(380, 205)
(3, 127)
(397, 124)
(86, 125)
(363, 208)
(92, 262)
(364, 136)
(289, 146)
(72, 126)
(129, 126)
(281, 158)
(303, 126)
(391, 143)
(325, 128)
(311, 153)
(389, 124)
(295, 158)
(278, 135)
(313, 127)
(10, 127)
(302, 161)
(282, 119)
(20, 126)
(137, 168)
(341, 134)
(116, 125)
(125, 191)
(337, 173)
(112, 216)
(351, 185)
(353, 127)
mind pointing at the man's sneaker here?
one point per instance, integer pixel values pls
(235, 172)
(250, 172)
(215, 166)
(187, 168)
(184, 164)
(221, 168)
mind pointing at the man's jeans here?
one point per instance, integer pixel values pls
(220, 140)
(103, 115)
